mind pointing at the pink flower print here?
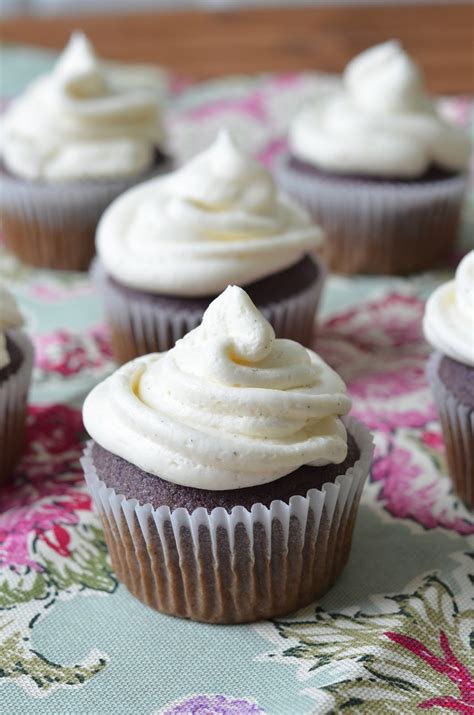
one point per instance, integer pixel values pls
(407, 490)
(396, 463)
(379, 349)
(433, 440)
(56, 293)
(46, 521)
(393, 321)
(380, 352)
(449, 666)
(388, 383)
(48, 494)
(58, 539)
(253, 105)
(68, 354)
(385, 419)
(273, 149)
(416, 652)
(55, 429)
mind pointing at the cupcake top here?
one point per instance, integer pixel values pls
(382, 123)
(228, 407)
(217, 220)
(449, 316)
(10, 318)
(87, 119)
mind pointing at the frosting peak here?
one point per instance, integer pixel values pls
(449, 315)
(217, 220)
(249, 334)
(87, 119)
(223, 175)
(385, 79)
(10, 318)
(78, 69)
(236, 345)
(380, 123)
(230, 406)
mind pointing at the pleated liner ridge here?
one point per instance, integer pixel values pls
(457, 423)
(13, 404)
(372, 227)
(233, 568)
(53, 225)
(139, 327)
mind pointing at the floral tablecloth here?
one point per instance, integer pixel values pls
(396, 633)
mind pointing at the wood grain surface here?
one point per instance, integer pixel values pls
(202, 44)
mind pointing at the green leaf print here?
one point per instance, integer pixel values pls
(24, 590)
(418, 657)
(88, 565)
(86, 568)
(16, 662)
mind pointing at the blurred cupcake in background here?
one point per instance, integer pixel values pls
(378, 167)
(227, 483)
(16, 365)
(73, 141)
(449, 327)
(169, 246)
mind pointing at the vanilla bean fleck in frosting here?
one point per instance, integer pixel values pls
(10, 318)
(449, 316)
(216, 221)
(381, 123)
(87, 119)
(230, 406)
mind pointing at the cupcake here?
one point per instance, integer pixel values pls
(449, 328)
(16, 365)
(169, 246)
(225, 478)
(378, 167)
(73, 141)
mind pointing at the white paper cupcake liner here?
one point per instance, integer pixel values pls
(233, 567)
(379, 227)
(457, 423)
(139, 327)
(53, 225)
(13, 403)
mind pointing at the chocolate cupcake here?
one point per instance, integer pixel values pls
(378, 168)
(72, 142)
(449, 327)
(168, 247)
(226, 481)
(16, 364)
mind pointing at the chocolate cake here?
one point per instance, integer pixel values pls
(276, 287)
(133, 483)
(377, 225)
(458, 379)
(434, 173)
(142, 322)
(14, 382)
(452, 385)
(15, 360)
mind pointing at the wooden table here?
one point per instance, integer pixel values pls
(204, 44)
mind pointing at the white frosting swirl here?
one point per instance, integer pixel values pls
(86, 120)
(449, 316)
(216, 221)
(228, 407)
(10, 317)
(382, 122)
